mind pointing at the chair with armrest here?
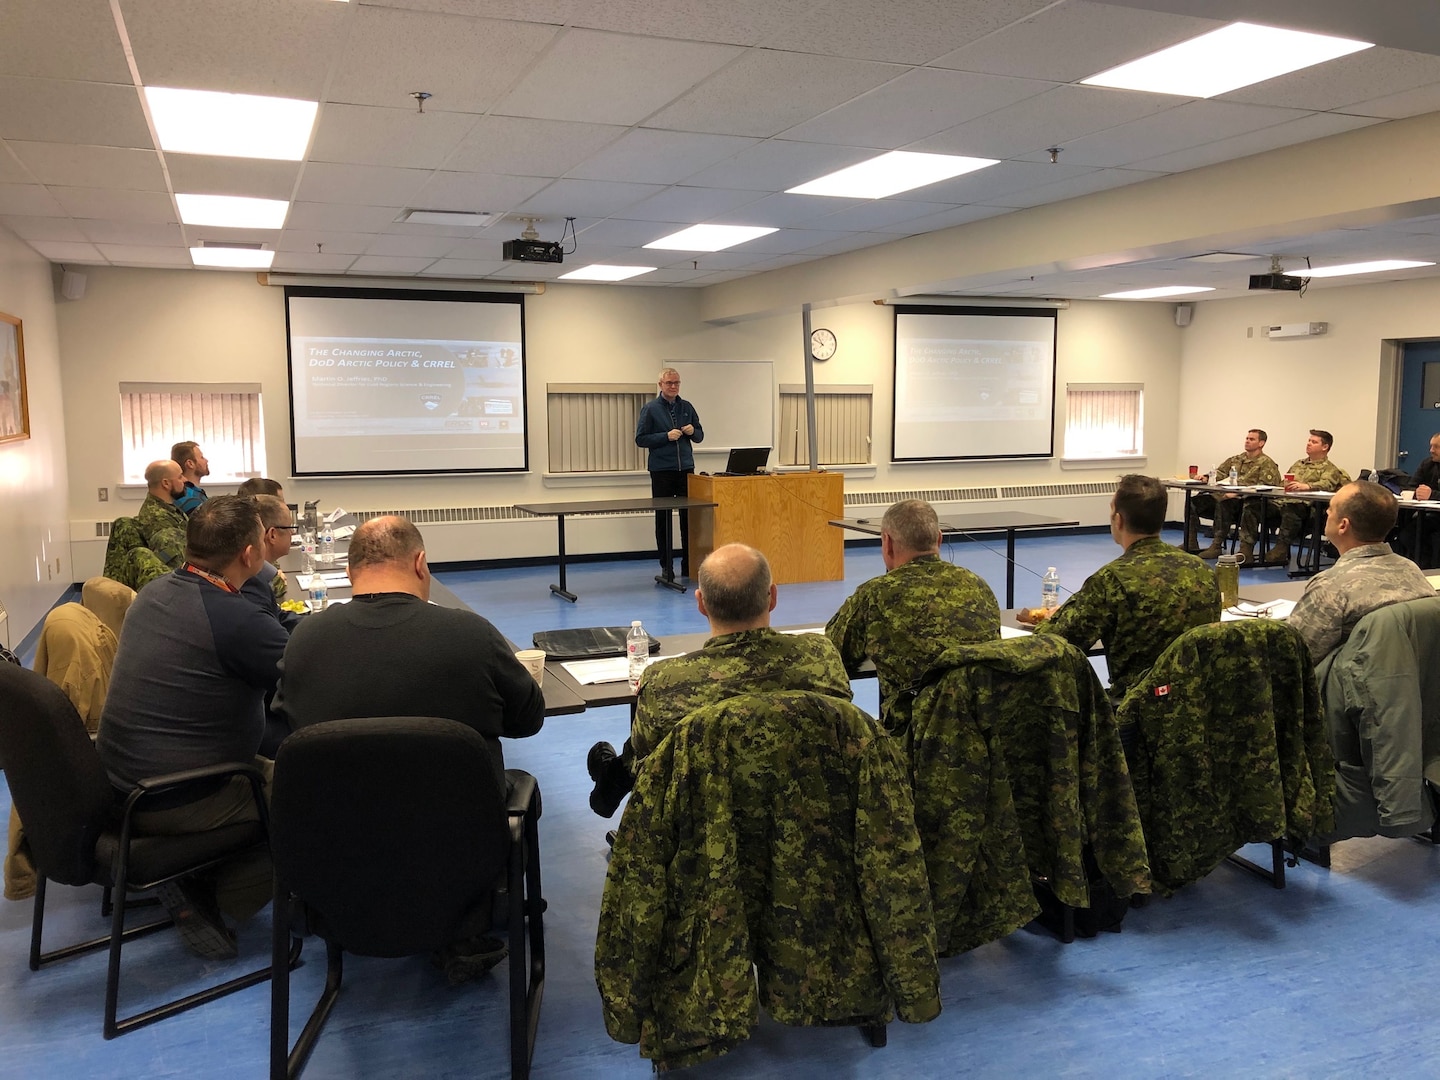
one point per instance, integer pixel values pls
(392, 835)
(768, 835)
(80, 830)
(1228, 748)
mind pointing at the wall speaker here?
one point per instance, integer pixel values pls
(1183, 314)
(72, 285)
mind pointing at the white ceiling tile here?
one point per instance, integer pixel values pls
(659, 157)
(482, 248)
(775, 165)
(527, 147)
(302, 262)
(60, 251)
(328, 216)
(463, 268)
(360, 185)
(875, 213)
(432, 247)
(59, 229)
(12, 171)
(270, 47)
(1091, 182)
(466, 63)
(132, 233)
(56, 110)
(994, 185)
(689, 204)
(737, 22)
(1180, 128)
(765, 92)
(594, 198)
(1417, 102)
(364, 135)
(390, 264)
(611, 78)
(29, 200)
(946, 219)
(91, 166)
(132, 206)
(633, 234)
(1314, 126)
(477, 192)
(1074, 40)
(62, 39)
(915, 105)
(787, 241)
(198, 174)
(1362, 76)
(1054, 118)
(850, 242)
(902, 31)
(788, 211)
(336, 243)
(134, 255)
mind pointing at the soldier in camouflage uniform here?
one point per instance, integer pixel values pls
(1368, 575)
(921, 606)
(1314, 472)
(1252, 466)
(769, 857)
(736, 593)
(162, 523)
(1143, 600)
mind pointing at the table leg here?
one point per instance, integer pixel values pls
(559, 590)
(661, 579)
(1010, 566)
(1185, 524)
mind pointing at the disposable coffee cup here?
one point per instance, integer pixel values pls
(1194, 471)
(1407, 496)
(1289, 478)
(534, 661)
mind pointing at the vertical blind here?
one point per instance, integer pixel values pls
(593, 430)
(1104, 421)
(842, 427)
(226, 423)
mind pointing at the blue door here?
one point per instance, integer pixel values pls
(1419, 402)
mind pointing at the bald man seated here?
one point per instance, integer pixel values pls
(162, 523)
(736, 594)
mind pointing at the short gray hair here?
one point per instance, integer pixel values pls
(384, 539)
(913, 525)
(735, 583)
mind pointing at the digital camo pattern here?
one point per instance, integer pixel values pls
(747, 662)
(1294, 514)
(1229, 748)
(904, 619)
(1249, 472)
(1137, 605)
(127, 559)
(162, 527)
(1020, 731)
(278, 584)
(771, 830)
(1364, 578)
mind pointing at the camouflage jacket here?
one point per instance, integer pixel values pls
(1229, 748)
(769, 835)
(127, 559)
(1248, 471)
(904, 619)
(1137, 605)
(1375, 689)
(1018, 768)
(1364, 578)
(162, 526)
(748, 662)
(1320, 475)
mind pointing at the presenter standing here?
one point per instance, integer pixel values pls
(667, 427)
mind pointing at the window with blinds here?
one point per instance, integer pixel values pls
(1104, 421)
(592, 426)
(224, 418)
(842, 425)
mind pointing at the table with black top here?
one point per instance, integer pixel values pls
(561, 510)
(1008, 522)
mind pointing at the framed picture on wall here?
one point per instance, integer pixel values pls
(14, 408)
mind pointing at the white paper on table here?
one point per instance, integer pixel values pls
(328, 602)
(806, 630)
(335, 515)
(605, 670)
(1014, 631)
(344, 532)
(1247, 609)
(1434, 580)
(331, 577)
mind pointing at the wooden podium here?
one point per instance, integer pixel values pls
(785, 515)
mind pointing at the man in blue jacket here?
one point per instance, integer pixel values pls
(667, 427)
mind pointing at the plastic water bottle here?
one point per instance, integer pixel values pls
(1050, 590)
(637, 650)
(1234, 476)
(318, 598)
(307, 551)
(327, 546)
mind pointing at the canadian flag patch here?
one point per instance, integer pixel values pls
(1162, 691)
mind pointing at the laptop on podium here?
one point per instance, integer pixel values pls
(746, 461)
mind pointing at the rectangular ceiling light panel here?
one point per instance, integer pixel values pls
(1151, 294)
(709, 237)
(605, 272)
(230, 125)
(890, 174)
(1237, 55)
(232, 258)
(232, 211)
(1379, 266)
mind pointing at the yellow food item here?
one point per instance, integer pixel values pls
(297, 606)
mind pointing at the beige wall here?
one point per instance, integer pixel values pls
(35, 563)
(1233, 378)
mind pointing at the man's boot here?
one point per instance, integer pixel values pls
(1247, 553)
(1191, 541)
(1279, 555)
(1214, 551)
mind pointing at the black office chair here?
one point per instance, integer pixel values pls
(390, 836)
(81, 832)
